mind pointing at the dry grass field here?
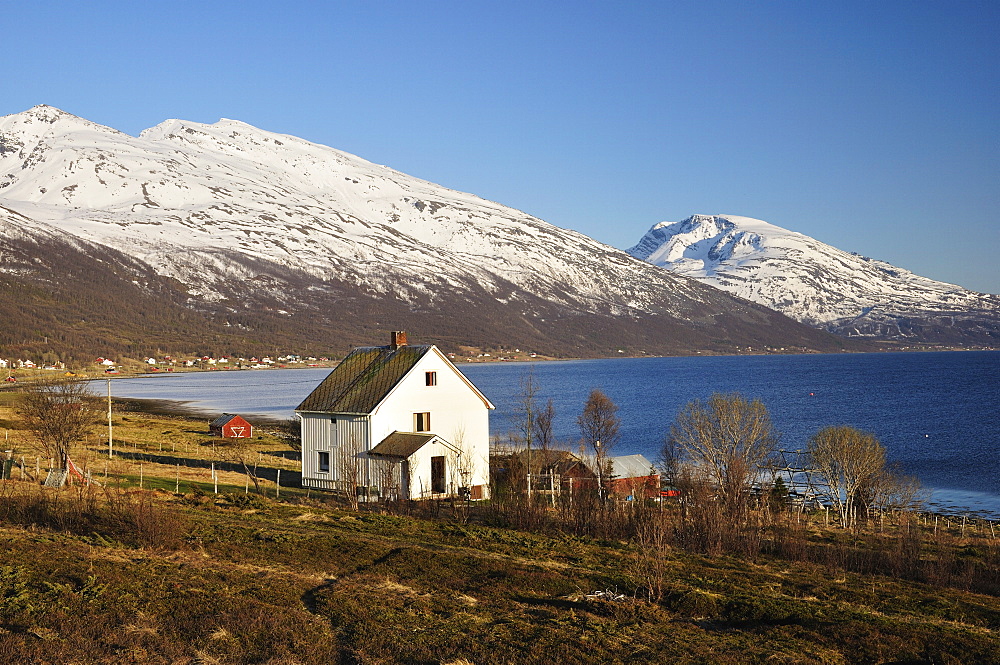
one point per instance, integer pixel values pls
(175, 573)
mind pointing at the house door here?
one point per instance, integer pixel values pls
(404, 479)
(437, 475)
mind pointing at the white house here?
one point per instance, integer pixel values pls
(396, 421)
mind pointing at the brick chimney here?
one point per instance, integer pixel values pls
(397, 339)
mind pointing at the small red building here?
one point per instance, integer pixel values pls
(230, 426)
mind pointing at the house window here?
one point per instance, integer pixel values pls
(324, 462)
(422, 422)
(431, 378)
(437, 475)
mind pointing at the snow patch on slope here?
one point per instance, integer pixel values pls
(182, 195)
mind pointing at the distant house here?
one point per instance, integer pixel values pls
(230, 426)
(560, 472)
(551, 470)
(635, 476)
(396, 421)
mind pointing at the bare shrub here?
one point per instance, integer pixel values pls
(58, 414)
(701, 520)
(652, 539)
(849, 461)
(599, 428)
(133, 518)
(731, 440)
(137, 518)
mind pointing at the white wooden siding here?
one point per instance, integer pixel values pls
(326, 432)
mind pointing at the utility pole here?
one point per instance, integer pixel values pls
(110, 447)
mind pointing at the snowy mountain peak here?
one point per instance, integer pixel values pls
(815, 283)
(44, 120)
(45, 113)
(699, 243)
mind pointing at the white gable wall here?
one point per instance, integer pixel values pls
(458, 415)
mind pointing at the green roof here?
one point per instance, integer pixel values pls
(363, 379)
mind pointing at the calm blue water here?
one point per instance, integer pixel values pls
(936, 413)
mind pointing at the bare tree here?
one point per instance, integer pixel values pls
(544, 421)
(240, 450)
(669, 463)
(599, 425)
(290, 431)
(849, 460)
(460, 462)
(349, 468)
(58, 414)
(527, 410)
(730, 439)
(388, 474)
(546, 442)
(891, 489)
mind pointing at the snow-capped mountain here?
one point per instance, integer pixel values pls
(247, 220)
(818, 284)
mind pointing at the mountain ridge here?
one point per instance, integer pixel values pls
(244, 221)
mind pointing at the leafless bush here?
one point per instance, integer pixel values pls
(133, 518)
(652, 539)
(137, 518)
(731, 440)
(58, 414)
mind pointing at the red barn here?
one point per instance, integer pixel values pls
(230, 426)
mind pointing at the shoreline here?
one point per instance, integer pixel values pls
(179, 409)
(947, 499)
(84, 374)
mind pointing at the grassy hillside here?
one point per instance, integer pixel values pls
(117, 574)
(254, 581)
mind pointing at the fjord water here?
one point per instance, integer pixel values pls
(936, 413)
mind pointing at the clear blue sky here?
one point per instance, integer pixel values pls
(872, 126)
